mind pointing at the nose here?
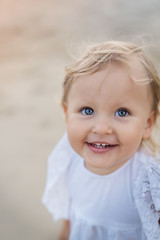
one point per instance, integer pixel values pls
(102, 126)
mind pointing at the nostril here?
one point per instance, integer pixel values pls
(102, 129)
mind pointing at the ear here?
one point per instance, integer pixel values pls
(149, 125)
(65, 109)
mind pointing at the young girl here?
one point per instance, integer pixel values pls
(104, 174)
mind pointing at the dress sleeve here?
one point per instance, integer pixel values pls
(56, 195)
(147, 198)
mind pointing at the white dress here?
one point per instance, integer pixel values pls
(123, 205)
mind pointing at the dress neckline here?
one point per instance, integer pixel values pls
(94, 175)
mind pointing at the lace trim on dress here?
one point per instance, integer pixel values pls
(147, 198)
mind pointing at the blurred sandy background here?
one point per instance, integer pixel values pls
(34, 36)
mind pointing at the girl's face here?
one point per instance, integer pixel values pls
(107, 116)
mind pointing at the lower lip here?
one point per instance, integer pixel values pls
(100, 150)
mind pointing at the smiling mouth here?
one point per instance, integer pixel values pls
(101, 145)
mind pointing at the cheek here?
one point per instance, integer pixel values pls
(76, 133)
(132, 133)
(76, 126)
(130, 141)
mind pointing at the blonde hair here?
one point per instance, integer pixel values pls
(122, 53)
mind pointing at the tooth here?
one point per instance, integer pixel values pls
(98, 144)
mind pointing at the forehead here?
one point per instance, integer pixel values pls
(109, 81)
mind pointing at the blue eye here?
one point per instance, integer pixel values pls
(122, 113)
(87, 111)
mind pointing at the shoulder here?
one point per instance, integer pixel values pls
(149, 173)
(147, 195)
(56, 195)
(62, 155)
